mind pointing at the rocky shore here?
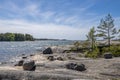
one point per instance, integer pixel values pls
(60, 66)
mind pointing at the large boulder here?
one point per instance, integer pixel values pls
(29, 65)
(108, 55)
(74, 66)
(48, 51)
(80, 67)
(71, 66)
(19, 63)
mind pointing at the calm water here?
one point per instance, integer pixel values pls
(12, 49)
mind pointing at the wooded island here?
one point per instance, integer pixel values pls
(16, 37)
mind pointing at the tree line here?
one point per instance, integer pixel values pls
(15, 37)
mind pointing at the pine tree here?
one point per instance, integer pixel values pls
(106, 28)
(91, 37)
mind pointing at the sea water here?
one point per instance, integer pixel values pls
(9, 50)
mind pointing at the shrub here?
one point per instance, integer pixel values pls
(93, 54)
(114, 49)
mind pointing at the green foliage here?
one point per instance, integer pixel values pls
(106, 28)
(114, 49)
(15, 37)
(19, 37)
(92, 37)
(9, 36)
(92, 54)
(28, 37)
(107, 31)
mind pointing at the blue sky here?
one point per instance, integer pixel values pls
(63, 19)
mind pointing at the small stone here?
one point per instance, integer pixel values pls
(108, 55)
(24, 57)
(19, 63)
(51, 58)
(31, 54)
(60, 58)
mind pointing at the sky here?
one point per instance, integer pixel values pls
(56, 19)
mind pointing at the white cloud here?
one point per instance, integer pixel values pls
(48, 30)
(56, 28)
(52, 23)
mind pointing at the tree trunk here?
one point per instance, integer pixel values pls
(108, 37)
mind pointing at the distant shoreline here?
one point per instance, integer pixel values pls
(45, 39)
(41, 39)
